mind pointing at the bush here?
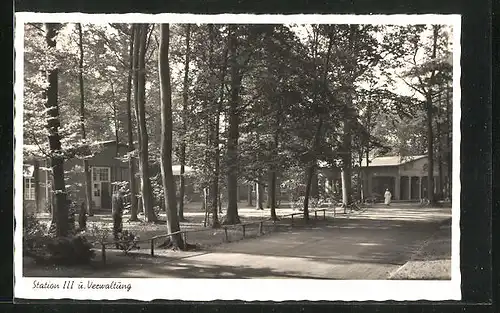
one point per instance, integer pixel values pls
(47, 249)
(33, 230)
(99, 232)
(75, 250)
(127, 241)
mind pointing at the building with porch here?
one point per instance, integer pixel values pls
(405, 177)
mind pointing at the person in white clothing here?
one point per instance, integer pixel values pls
(387, 197)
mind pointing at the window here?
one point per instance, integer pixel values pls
(97, 190)
(29, 188)
(100, 174)
(104, 174)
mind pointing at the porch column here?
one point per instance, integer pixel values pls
(397, 191)
(419, 187)
(409, 187)
(369, 184)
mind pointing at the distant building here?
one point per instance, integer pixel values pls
(405, 177)
(106, 168)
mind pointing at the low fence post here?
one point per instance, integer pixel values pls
(260, 227)
(243, 225)
(152, 247)
(103, 252)
(292, 219)
(315, 215)
(225, 233)
(324, 214)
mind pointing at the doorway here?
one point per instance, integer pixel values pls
(101, 181)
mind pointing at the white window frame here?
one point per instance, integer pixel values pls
(29, 188)
(96, 177)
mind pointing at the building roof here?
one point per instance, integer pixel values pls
(31, 152)
(392, 160)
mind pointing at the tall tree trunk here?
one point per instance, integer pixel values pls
(86, 168)
(316, 140)
(439, 137)
(367, 192)
(233, 132)
(360, 176)
(130, 134)
(311, 170)
(117, 139)
(135, 61)
(430, 134)
(430, 152)
(169, 186)
(347, 135)
(346, 165)
(249, 195)
(275, 146)
(169, 189)
(53, 124)
(184, 122)
(314, 185)
(272, 192)
(309, 176)
(146, 192)
(448, 140)
(215, 188)
(259, 190)
(268, 193)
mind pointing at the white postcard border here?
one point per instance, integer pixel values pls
(147, 289)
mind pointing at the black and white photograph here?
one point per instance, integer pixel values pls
(237, 157)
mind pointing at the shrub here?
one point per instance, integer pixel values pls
(72, 209)
(99, 232)
(33, 231)
(73, 250)
(127, 241)
(47, 249)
